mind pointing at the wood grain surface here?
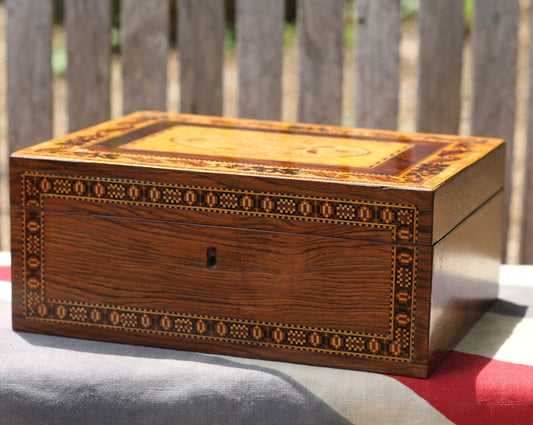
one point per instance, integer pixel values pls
(144, 50)
(439, 75)
(200, 43)
(495, 45)
(29, 72)
(260, 58)
(378, 64)
(263, 276)
(88, 28)
(320, 32)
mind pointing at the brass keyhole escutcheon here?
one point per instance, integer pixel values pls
(212, 258)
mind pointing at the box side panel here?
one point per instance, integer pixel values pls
(465, 277)
(466, 191)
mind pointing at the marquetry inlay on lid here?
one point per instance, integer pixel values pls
(261, 148)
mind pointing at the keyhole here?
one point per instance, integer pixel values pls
(212, 258)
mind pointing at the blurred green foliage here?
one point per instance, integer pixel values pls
(409, 9)
(59, 54)
(468, 14)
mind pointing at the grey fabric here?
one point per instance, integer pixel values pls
(55, 380)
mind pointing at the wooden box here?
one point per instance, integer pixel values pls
(362, 249)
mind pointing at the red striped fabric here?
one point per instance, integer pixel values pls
(476, 390)
(5, 273)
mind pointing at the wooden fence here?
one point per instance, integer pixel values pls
(259, 44)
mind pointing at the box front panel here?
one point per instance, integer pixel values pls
(198, 285)
(310, 281)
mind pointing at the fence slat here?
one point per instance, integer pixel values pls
(144, 49)
(29, 72)
(260, 58)
(201, 42)
(88, 26)
(440, 66)
(495, 47)
(320, 29)
(526, 256)
(378, 64)
(526, 251)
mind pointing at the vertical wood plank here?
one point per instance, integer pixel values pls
(29, 72)
(201, 42)
(377, 70)
(526, 251)
(144, 48)
(88, 26)
(440, 66)
(260, 58)
(320, 30)
(495, 47)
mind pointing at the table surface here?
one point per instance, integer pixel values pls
(488, 379)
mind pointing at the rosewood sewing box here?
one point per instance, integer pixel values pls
(363, 249)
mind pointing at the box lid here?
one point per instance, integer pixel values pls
(438, 169)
